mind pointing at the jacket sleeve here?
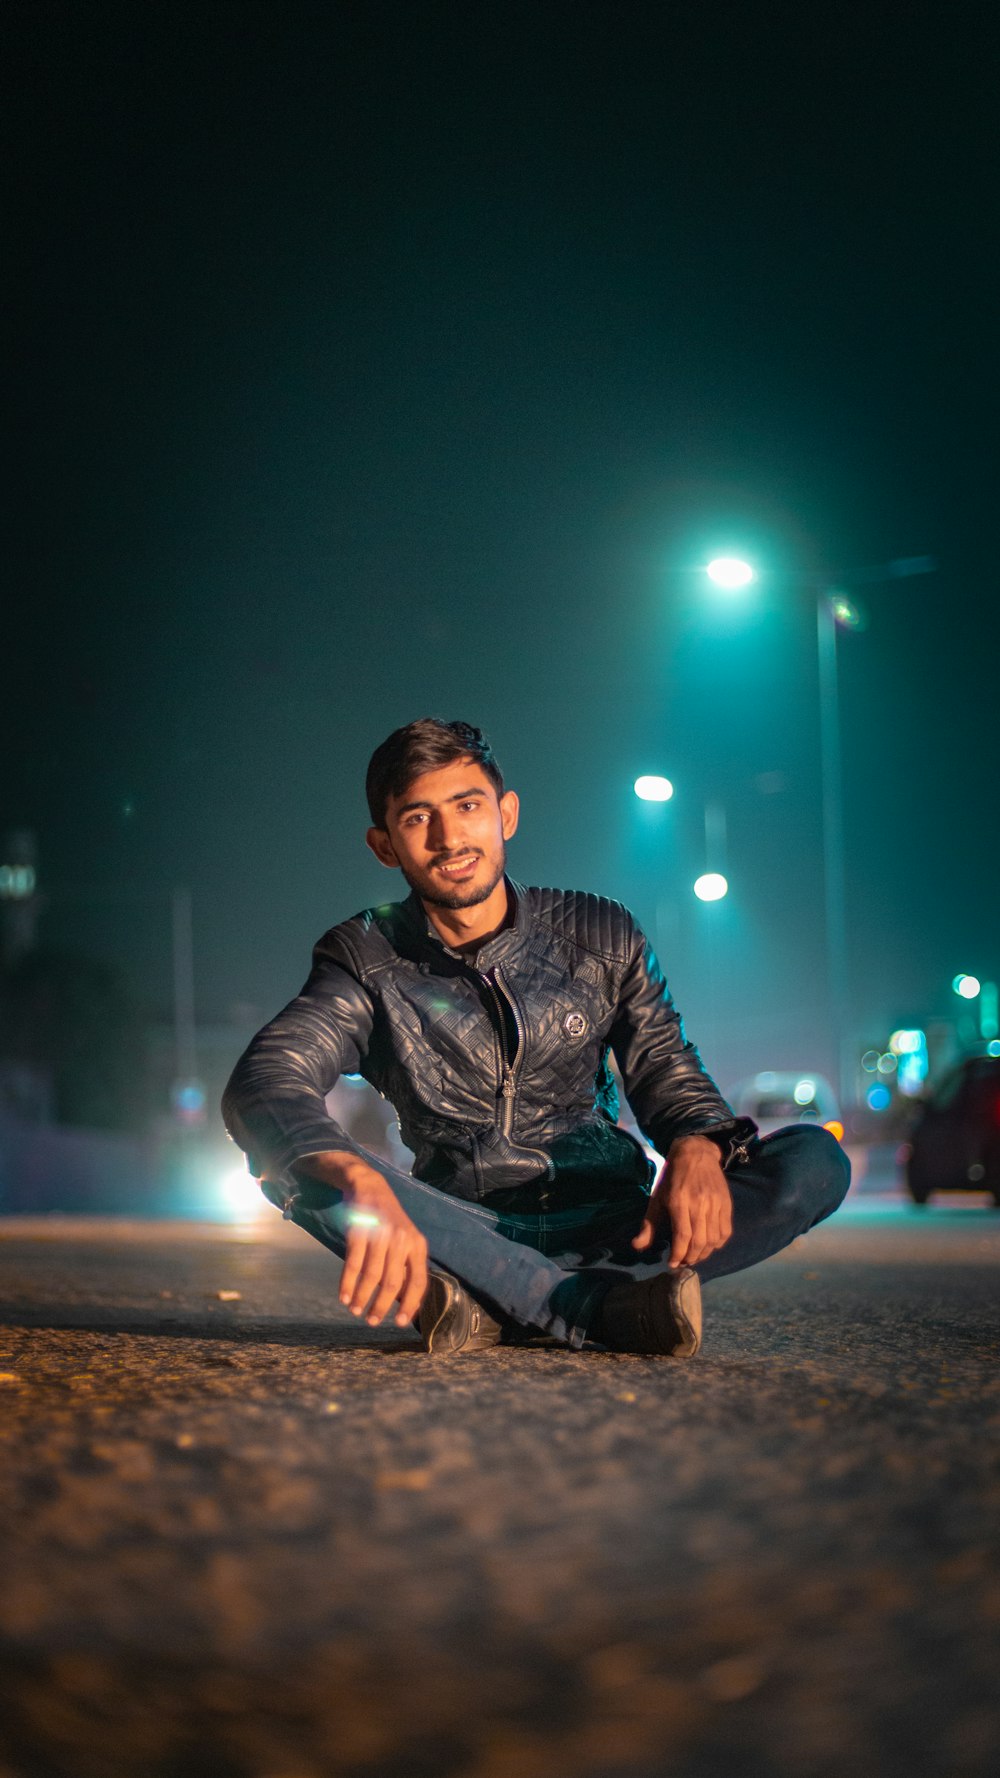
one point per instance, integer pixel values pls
(274, 1104)
(665, 1082)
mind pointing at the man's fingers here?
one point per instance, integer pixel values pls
(704, 1240)
(701, 1221)
(720, 1225)
(390, 1287)
(370, 1275)
(357, 1247)
(645, 1235)
(681, 1241)
(416, 1285)
(713, 1232)
(699, 1235)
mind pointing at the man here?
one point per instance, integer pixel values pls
(487, 1014)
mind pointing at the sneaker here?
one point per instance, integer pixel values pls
(658, 1315)
(451, 1320)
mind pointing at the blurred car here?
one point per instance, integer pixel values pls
(955, 1144)
(775, 1100)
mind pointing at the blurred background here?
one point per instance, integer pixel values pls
(376, 361)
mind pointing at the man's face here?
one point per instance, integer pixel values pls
(447, 833)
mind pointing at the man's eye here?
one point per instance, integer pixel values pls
(474, 805)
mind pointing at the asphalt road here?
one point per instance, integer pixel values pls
(244, 1536)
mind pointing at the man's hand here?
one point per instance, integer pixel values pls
(692, 1200)
(386, 1258)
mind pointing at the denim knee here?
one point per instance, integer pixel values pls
(812, 1169)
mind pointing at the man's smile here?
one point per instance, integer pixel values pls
(458, 869)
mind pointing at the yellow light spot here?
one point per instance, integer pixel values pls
(410, 1479)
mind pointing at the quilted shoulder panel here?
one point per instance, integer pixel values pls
(367, 941)
(593, 922)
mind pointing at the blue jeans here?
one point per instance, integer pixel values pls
(548, 1270)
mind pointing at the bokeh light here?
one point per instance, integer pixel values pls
(652, 789)
(711, 886)
(729, 572)
(240, 1195)
(845, 612)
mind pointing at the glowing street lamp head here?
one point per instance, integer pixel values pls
(711, 887)
(729, 572)
(967, 986)
(845, 613)
(652, 789)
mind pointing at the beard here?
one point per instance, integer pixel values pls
(457, 897)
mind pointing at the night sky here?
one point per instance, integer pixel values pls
(378, 360)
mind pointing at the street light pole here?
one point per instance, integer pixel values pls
(832, 799)
(712, 886)
(832, 607)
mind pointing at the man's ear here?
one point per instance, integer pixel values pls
(380, 843)
(510, 808)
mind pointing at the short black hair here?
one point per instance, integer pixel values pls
(424, 746)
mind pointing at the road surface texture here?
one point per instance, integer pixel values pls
(246, 1537)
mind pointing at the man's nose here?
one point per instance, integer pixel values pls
(445, 830)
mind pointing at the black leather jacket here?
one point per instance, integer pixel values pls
(498, 1067)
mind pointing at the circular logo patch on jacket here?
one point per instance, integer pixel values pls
(574, 1024)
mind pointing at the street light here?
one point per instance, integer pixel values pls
(834, 609)
(730, 572)
(711, 886)
(967, 987)
(650, 788)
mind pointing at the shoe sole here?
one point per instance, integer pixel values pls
(438, 1300)
(442, 1296)
(686, 1307)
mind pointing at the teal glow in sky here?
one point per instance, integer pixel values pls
(366, 380)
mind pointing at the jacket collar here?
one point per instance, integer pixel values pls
(504, 944)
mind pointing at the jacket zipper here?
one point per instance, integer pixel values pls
(510, 1069)
(508, 1086)
(501, 1036)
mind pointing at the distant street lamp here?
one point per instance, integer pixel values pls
(712, 886)
(833, 610)
(730, 572)
(967, 987)
(652, 789)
